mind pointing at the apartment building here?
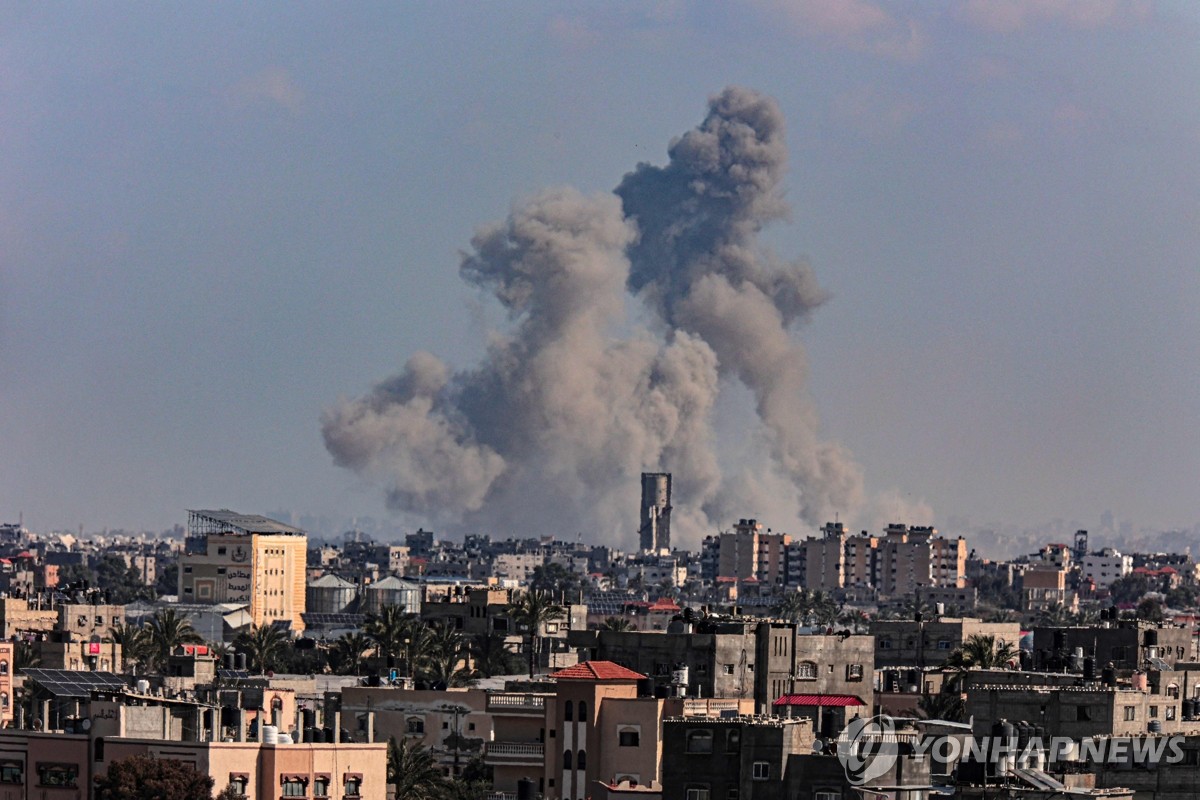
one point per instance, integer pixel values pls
(242, 558)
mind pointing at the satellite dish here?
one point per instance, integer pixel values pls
(85, 725)
(818, 746)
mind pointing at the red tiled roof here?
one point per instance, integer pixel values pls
(664, 604)
(597, 671)
(836, 700)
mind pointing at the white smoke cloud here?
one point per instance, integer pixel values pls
(549, 433)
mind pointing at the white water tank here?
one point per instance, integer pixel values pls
(143, 686)
(270, 734)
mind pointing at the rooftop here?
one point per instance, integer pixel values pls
(597, 671)
(201, 522)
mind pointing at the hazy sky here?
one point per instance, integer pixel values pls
(217, 219)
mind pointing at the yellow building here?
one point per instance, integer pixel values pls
(245, 558)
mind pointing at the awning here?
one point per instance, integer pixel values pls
(824, 700)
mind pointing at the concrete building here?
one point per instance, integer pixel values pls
(740, 660)
(239, 558)
(715, 758)
(599, 731)
(1104, 568)
(654, 518)
(750, 553)
(908, 643)
(1128, 644)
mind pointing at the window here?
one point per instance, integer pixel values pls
(943, 644)
(699, 741)
(294, 787)
(1153, 712)
(697, 792)
(582, 711)
(581, 760)
(1172, 690)
(239, 784)
(1170, 712)
(567, 759)
(97, 749)
(569, 711)
(732, 795)
(662, 668)
(628, 737)
(854, 672)
(1130, 713)
(727, 669)
(416, 725)
(11, 772)
(321, 786)
(733, 741)
(806, 670)
(57, 775)
(762, 770)
(885, 644)
(353, 786)
(3, 667)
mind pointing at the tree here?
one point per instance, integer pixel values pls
(531, 611)
(413, 772)
(166, 578)
(136, 647)
(25, 656)
(1150, 609)
(445, 647)
(263, 646)
(982, 652)
(149, 778)
(389, 628)
(616, 624)
(348, 653)
(945, 705)
(556, 580)
(167, 630)
(120, 581)
(492, 657)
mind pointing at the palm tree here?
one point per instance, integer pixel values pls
(445, 648)
(165, 631)
(491, 656)
(979, 651)
(1056, 615)
(347, 654)
(25, 655)
(616, 624)
(531, 611)
(135, 644)
(263, 646)
(413, 772)
(389, 628)
(945, 705)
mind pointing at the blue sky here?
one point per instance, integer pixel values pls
(218, 219)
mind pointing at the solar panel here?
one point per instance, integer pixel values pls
(74, 683)
(232, 673)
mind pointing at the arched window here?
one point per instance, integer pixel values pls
(699, 741)
(3, 667)
(568, 711)
(566, 759)
(581, 760)
(582, 711)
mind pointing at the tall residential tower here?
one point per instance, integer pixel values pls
(655, 518)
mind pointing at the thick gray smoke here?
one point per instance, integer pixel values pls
(699, 266)
(549, 433)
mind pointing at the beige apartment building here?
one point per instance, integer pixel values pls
(750, 552)
(240, 558)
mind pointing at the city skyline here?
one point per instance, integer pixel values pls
(214, 228)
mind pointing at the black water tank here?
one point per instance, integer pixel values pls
(1089, 668)
(1026, 661)
(309, 716)
(1189, 709)
(310, 734)
(645, 687)
(1150, 638)
(240, 661)
(327, 735)
(1108, 675)
(526, 789)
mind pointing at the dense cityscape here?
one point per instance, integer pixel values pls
(242, 660)
(667, 400)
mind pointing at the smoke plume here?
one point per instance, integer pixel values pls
(548, 434)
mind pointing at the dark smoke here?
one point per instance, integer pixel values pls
(549, 433)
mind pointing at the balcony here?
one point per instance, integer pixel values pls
(516, 703)
(532, 754)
